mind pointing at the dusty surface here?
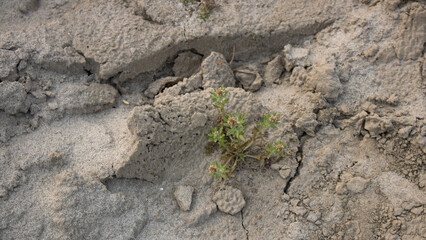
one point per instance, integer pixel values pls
(104, 107)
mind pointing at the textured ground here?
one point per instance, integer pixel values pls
(104, 107)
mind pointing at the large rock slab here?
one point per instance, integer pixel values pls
(174, 128)
(126, 38)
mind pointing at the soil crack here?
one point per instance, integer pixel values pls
(242, 224)
(302, 140)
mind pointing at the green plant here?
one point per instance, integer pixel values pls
(204, 10)
(206, 6)
(231, 137)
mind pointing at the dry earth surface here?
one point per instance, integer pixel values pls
(105, 107)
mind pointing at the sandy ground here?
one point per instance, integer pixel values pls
(105, 107)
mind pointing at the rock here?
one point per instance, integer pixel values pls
(86, 99)
(229, 200)
(79, 210)
(216, 72)
(405, 132)
(256, 85)
(313, 217)
(307, 123)
(172, 128)
(183, 196)
(417, 210)
(186, 64)
(285, 173)
(299, 211)
(158, 85)
(376, 125)
(12, 97)
(251, 80)
(295, 57)
(412, 35)
(273, 71)
(357, 184)
(191, 84)
(8, 63)
(324, 79)
(28, 5)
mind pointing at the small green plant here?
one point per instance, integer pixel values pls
(206, 6)
(231, 138)
(204, 10)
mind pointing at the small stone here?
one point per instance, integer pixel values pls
(307, 123)
(229, 200)
(299, 211)
(183, 196)
(417, 210)
(251, 80)
(186, 64)
(294, 202)
(273, 70)
(276, 166)
(285, 173)
(216, 72)
(376, 125)
(398, 211)
(28, 5)
(405, 132)
(257, 84)
(324, 79)
(157, 86)
(285, 197)
(313, 217)
(357, 184)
